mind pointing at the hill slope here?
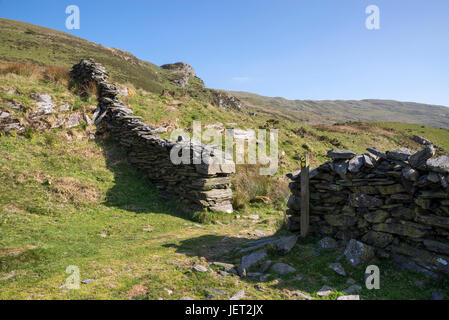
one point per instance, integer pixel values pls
(26, 42)
(348, 110)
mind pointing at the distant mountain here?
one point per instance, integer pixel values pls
(327, 111)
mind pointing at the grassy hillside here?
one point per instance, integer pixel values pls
(26, 42)
(351, 110)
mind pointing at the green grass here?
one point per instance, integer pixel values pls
(58, 198)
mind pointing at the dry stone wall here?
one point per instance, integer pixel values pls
(397, 202)
(195, 186)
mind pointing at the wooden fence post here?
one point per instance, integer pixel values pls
(305, 195)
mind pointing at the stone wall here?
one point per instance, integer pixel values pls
(396, 202)
(195, 186)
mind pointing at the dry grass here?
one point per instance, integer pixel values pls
(356, 128)
(53, 74)
(73, 190)
(250, 186)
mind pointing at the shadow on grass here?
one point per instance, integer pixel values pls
(133, 191)
(230, 250)
(312, 268)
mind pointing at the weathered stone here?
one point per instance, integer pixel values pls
(391, 189)
(340, 220)
(286, 244)
(282, 268)
(325, 291)
(434, 195)
(437, 246)
(437, 221)
(294, 202)
(358, 253)
(421, 140)
(327, 243)
(401, 154)
(45, 105)
(352, 289)
(356, 163)
(403, 213)
(433, 177)
(73, 120)
(239, 295)
(251, 259)
(377, 239)
(200, 268)
(419, 159)
(338, 268)
(337, 154)
(377, 216)
(400, 229)
(341, 168)
(360, 200)
(423, 203)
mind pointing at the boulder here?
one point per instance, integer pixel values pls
(357, 253)
(282, 268)
(337, 154)
(327, 243)
(356, 163)
(286, 244)
(418, 160)
(440, 164)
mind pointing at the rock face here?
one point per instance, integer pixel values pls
(194, 186)
(180, 73)
(394, 204)
(226, 100)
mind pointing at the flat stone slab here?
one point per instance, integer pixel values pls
(401, 154)
(282, 268)
(337, 154)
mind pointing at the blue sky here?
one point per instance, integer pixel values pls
(296, 49)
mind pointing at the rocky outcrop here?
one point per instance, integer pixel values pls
(180, 73)
(195, 186)
(396, 202)
(226, 100)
